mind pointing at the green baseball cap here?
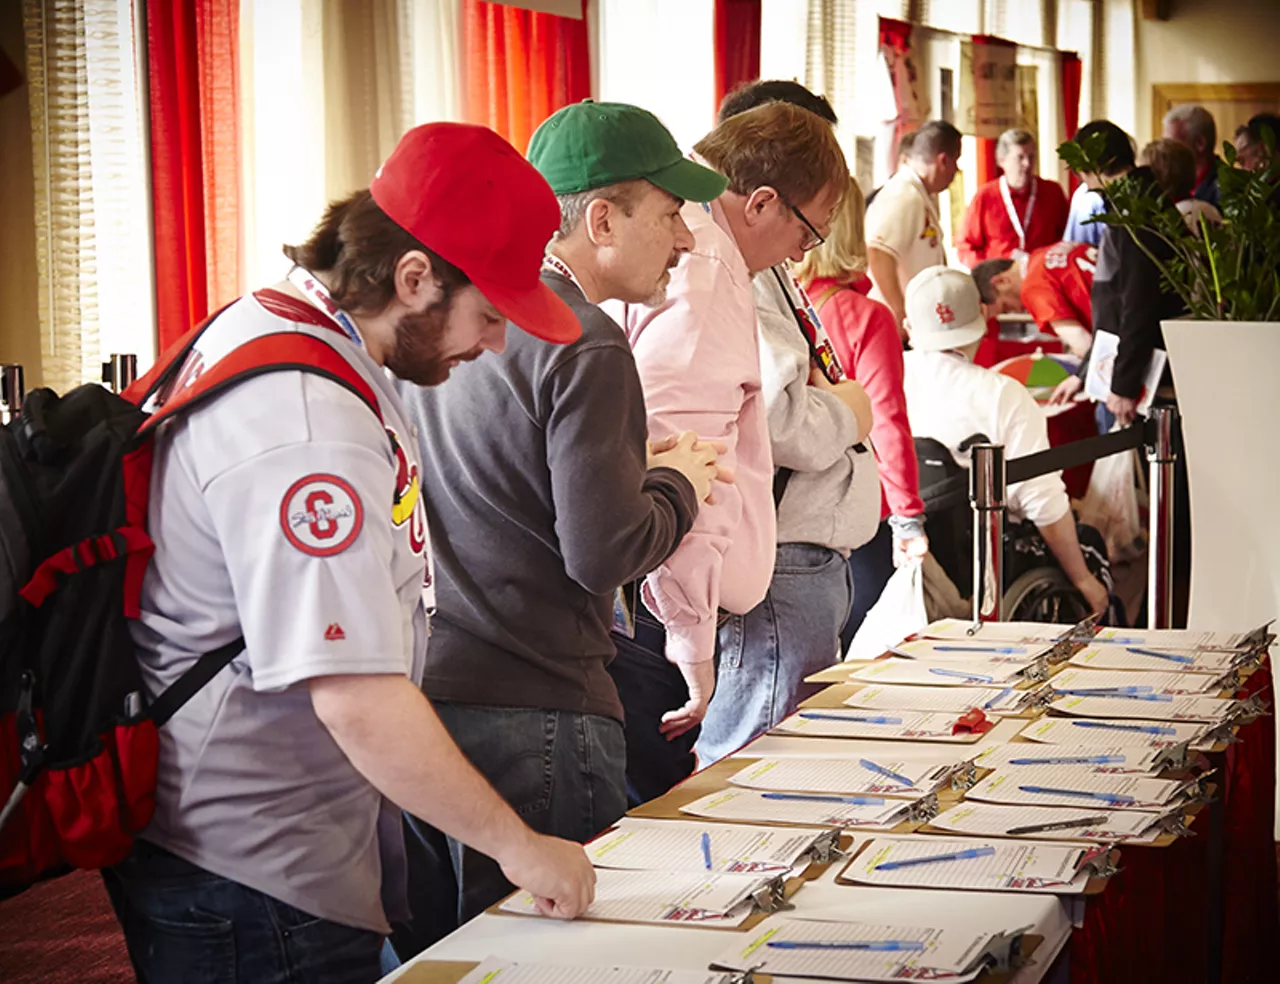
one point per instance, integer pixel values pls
(594, 144)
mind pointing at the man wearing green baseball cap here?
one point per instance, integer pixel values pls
(540, 459)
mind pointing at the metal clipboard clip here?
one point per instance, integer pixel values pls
(1098, 862)
(1003, 951)
(1037, 672)
(924, 810)
(1174, 823)
(964, 776)
(1248, 709)
(771, 897)
(826, 848)
(746, 977)
(1173, 757)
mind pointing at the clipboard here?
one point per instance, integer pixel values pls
(833, 698)
(714, 780)
(948, 793)
(453, 971)
(1108, 865)
(1181, 828)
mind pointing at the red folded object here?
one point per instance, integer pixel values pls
(973, 723)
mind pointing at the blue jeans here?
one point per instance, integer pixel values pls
(185, 924)
(562, 772)
(766, 654)
(871, 566)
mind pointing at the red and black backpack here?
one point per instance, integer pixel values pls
(78, 735)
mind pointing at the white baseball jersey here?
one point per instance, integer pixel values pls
(272, 512)
(903, 221)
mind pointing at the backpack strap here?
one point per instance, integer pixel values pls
(827, 294)
(190, 683)
(168, 362)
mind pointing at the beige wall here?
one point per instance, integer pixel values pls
(19, 327)
(1204, 41)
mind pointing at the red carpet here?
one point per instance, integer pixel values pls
(61, 932)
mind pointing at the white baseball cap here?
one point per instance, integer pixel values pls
(944, 310)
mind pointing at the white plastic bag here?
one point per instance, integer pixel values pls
(899, 612)
(1111, 506)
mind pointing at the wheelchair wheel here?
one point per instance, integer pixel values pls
(1044, 595)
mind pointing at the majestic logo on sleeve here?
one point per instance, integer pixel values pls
(407, 508)
(321, 515)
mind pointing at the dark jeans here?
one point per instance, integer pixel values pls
(185, 925)
(562, 772)
(649, 686)
(871, 566)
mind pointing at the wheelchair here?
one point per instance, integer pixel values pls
(1036, 589)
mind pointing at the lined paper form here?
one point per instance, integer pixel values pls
(1121, 658)
(1065, 731)
(992, 700)
(1132, 758)
(948, 954)
(497, 971)
(1014, 867)
(948, 650)
(676, 845)
(753, 805)
(993, 820)
(1176, 639)
(914, 672)
(662, 897)
(1065, 780)
(844, 775)
(898, 725)
(1014, 633)
(1080, 678)
(1211, 710)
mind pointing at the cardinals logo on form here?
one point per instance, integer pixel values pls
(407, 506)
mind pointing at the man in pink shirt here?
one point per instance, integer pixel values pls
(699, 364)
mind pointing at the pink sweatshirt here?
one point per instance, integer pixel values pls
(699, 361)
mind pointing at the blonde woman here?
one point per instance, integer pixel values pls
(866, 340)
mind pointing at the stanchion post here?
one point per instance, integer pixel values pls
(12, 391)
(119, 371)
(1161, 454)
(986, 495)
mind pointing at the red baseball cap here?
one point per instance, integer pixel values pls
(466, 194)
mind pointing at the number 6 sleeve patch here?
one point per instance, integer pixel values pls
(321, 515)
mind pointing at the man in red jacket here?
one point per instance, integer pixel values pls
(1018, 212)
(1052, 284)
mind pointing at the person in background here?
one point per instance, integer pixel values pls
(699, 361)
(866, 341)
(1194, 127)
(815, 427)
(536, 473)
(904, 234)
(1052, 284)
(1174, 167)
(950, 400)
(1251, 141)
(904, 151)
(1018, 212)
(1116, 159)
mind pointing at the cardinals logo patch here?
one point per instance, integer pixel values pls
(321, 515)
(944, 313)
(407, 508)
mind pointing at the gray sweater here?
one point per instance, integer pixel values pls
(540, 506)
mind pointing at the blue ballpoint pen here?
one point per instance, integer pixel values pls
(1119, 695)
(1171, 657)
(1070, 760)
(879, 945)
(815, 716)
(888, 773)
(999, 650)
(961, 674)
(973, 852)
(1050, 791)
(706, 850)
(1106, 690)
(997, 698)
(824, 798)
(1146, 729)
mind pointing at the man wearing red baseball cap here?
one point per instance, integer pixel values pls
(293, 517)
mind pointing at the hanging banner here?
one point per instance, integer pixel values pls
(911, 107)
(1029, 99)
(988, 88)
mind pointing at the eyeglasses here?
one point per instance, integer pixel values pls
(815, 238)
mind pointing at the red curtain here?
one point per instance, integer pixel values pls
(1071, 76)
(193, 72)
(519, 67)
(737, 40)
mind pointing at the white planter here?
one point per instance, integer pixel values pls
(1225, 374)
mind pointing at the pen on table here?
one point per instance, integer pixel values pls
(1172, 657)
(824, 798)
(965, 855)
(881, 945)
(1146, 729)
(1070, 760)
(998, 650)
(815, 716)
(897, 777)
(1106, 690)
(1116, 694)
(1051, 791)
(997, 698)
(961, 674)
(706, 850)
(1037, 828)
